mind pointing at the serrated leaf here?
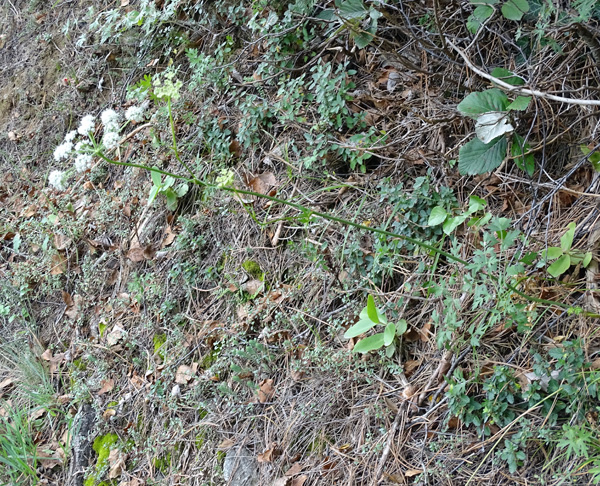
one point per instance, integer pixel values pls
(507, 76)
(566, 240)
(370, 343)
(438, 216)
(517, 149)
(515, 9)
(476, 157)
(362, 326)
(481, 102)
(520, 103)
(560, 266)
(492, 125)
(389, 334)
(156, 177)
(372, 309)
(587, 259)
(401, 327)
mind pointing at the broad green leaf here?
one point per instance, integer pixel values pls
(370, 343)
(476, 157)
(476, 204)
(401, 327)
(481, 102)
(364, 37)
(492, 125)
(327, 14)
(153, 194)
(365, 315)
(560, 266)
(362, 326)
(500, 224)
(507, 76)
(156, 177)
(587, 259)
(594, 158)
(169, 181)
(171, 199)
(552, 253)
(372, 309)
(566, 240)
(515, 9)
(479, 15)
(437, 216)
(480, 221)
(352, 9)
(452, 223)
(517, 149)
(520, 104)
(389, 334)
(182, 190)
(390, 350)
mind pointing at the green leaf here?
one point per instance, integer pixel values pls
(594, 158)
(476, 204)
(364, 315)
(479, 15)
(515, 9)
(507, 76)
(390, 350)
(520, 103)
(452, 223)
(182, 190)
(352, 9)
(364, 37)
(389, 334)
(171, 199)
(481, 102)
(490, 126)
(169, 181)
(476, 157)
(517, 149)
(560, 266)
(372, 309)
(362, 326)
(156, 177)
(437, 216)
(552, 253)
(153, 194)
(566, 240)
(587, 259)
(401, 327)
(370, 343)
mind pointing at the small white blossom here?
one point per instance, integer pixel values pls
(69, 137)
(57, 180)
(83, 162)
(81, 145)
(110, 120)
(135, 113)
(86, 125)
(63, 151)
(111, 140)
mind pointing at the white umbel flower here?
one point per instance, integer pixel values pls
(110, 120)
(86, 125)
(69, 137)
(57, 180)
(111, 140)
(63, 151)
(83, 162)
(135, 113)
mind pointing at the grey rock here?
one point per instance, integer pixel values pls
(240, 468)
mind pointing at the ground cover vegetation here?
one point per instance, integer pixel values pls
(322, 242)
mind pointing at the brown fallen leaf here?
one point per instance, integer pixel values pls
(116, 463)
(295, 469)
(281, 482)
(226, 444)
(169, 237)
(106, 386)
(271, 453)
(58, 265)
(184, 375)
(139, 254)
(299, 481)
(108, 413)
(61, 242)
(262, 183)
(114, 336)
(266, 390)
(253, 286)
(4, 385)
(412, 472)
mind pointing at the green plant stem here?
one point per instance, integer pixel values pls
(309, 212)
(173, 135)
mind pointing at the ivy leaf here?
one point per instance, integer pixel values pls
(389, 334)
(452, 223)
(507, 76)
(369, 343)
(476, 157)
(438, 216)
(515, 9)
(492, 125)
(566, 240)
(560, 266)
(520, 103)
(481, 102)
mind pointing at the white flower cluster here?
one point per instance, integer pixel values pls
(136, 113)
(57, 180)
(86, 125)
(111, 121)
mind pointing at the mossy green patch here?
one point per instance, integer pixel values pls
(159, 341)
(254, 270)
(102, 445)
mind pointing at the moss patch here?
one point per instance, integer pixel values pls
(254, 270)
(102, 446)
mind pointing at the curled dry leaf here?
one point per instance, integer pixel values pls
(263, 183)
(271, 453)
(184, 375)
(226, 444)
(61, 242)
(106, 386)
(139, 254)
(108, 413)
(116, 463)
(58, 264)
(266, 391)
(114, 336)
(299, 481)
(295, 469)
(5, 384)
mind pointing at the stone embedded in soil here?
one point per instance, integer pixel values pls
(240, 468)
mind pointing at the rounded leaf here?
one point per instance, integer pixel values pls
(370, 343)
(560, 266)
(401, 327)
(389, 334)
(362, 326)
(437, 216)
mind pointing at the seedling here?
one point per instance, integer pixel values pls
(564, 255)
